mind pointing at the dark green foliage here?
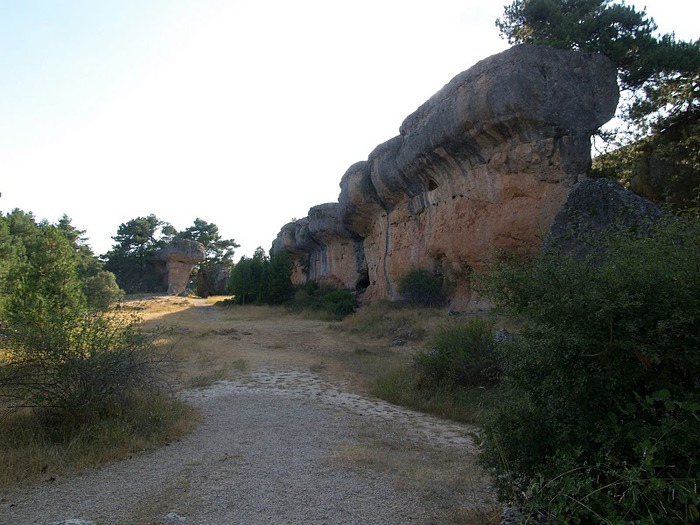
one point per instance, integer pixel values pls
(23, 244)
(663, 167)
(132, 257)
(600, 416)
(43, 284)
(61, 354)
(267, 280)
(102, 291)
(219, 253)
(461, 355)
(247, 278)
(422, 288)
(334, 303)
(279, 279)
(262, 279)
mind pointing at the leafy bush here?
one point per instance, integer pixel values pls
(334, 303)
(262, 279)
(77, 368)
(71, 364)
(101, 290)
(421, 288)
(460, 355)
(600, 416)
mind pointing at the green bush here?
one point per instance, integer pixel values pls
(262, 279)
(71, 364)
(461, 355)
(421, 288)
(333, 303)
(600, 413)
(101, 290)
(79, 368)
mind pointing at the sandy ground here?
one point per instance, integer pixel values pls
(287, 437)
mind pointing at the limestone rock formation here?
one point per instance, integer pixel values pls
(484, 164)
(593, 208)
(181, 256)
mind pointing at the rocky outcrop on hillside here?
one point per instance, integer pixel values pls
(181, 256)
(483, 165)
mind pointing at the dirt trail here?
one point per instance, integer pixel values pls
(287, 438)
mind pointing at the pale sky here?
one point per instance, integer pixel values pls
(244, 113)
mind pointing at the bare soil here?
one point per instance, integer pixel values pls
(288, 435)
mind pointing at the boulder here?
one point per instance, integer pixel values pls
(593, 208)
(484, 164)
(181, 256)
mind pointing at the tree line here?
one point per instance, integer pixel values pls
(134, 256)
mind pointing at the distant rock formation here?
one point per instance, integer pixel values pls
(181, 256)
(484, 164)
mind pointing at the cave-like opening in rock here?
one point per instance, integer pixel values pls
(362, 283)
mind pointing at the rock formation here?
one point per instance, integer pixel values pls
(180, 257)
(594, 208)
(483, 165)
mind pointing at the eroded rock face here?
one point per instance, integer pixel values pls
(484, 164)
(594, 208)
(181, 256)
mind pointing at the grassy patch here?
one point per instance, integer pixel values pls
(413, 377)
(31, 452)
(465, 404)
(385, 319)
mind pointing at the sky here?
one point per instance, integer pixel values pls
(244, 113)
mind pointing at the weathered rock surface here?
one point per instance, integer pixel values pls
(484, 164)
(181, 256)
(594, 208)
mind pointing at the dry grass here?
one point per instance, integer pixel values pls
(211, 343)
(29, 453)
(448, 481)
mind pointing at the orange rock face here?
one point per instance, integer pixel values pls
(484, 165)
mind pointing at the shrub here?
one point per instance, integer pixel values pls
(600, 415)
(421, 288)
(81, 367)
(461, 355)
(333, 303)
(70, 364)
(101, 290)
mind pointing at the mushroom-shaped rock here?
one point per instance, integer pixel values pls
(483, 165)
(181, 256)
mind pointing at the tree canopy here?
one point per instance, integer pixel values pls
(218, 250)
(134, 256)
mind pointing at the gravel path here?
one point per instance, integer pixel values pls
(266, 452)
